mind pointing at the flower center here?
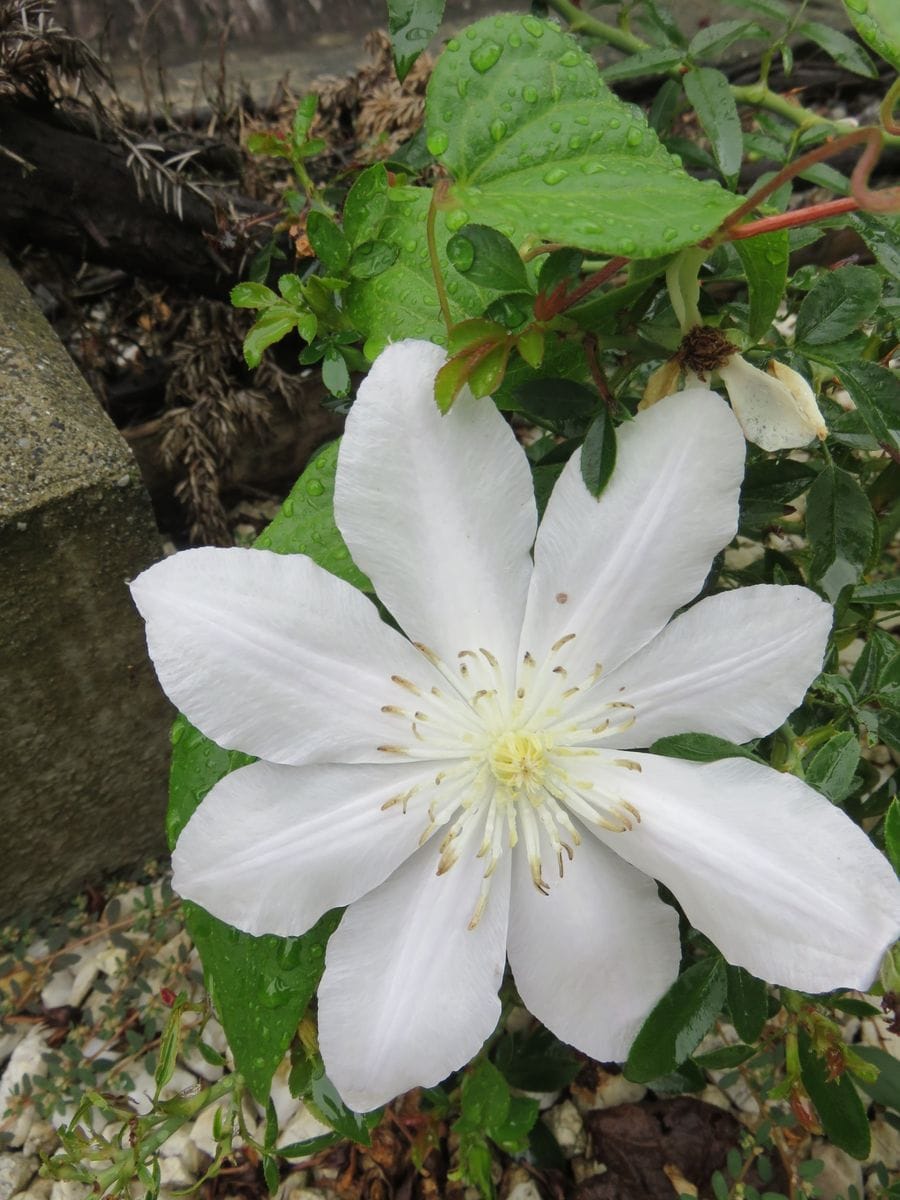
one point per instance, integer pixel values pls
(509, 761)
(518, 760)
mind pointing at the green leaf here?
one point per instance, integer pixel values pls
(679, 1020)
(833, 766)
(561, 405)
(335, 374)
(331, 246)
(542, 149)
(710, 95)
(885, 593)
(837, 1102)
(402, 302)
(260, 987)
(252, 295)
(725, 1057)
(512, 1134)
(876, 393)
(700, 747)
(881, 233)
(412, 24)
(487, 259)
(303, 119)
(838, 303)
(875, 662)
(484, 1099)
(770, 485)
(841, 528)
(765, 261)
(270, 326)
(598, 454)
(366, 204)
(845, 52)
(645, 62)
(372, 258)
(710, 41)
(892, 836)
(748, 1002)
(324, 1101)
(537, 1062)
(886, 1088)
(878, 24)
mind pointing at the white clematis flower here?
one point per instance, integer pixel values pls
(472, 790)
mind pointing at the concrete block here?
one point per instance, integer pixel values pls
(82, 723)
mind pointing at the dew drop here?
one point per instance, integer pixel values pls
(634, 136)
(456, 219)
(315, 487)
(593, 166)
(514, 40)
(596, 135)
(575, 142)
(571, 58)
(437, 142)
(859, 6)
(410, 246)
(453, 45)
(529, 94)
(533, 26)
(696, 227)
(670, 234)
(773, 257)
(275, 994)
(614, 123)
(461, 252)
(462, 86)
(471, 33)
(581, 119)
(177, 733)
(498, 130)
(556, 126)
(483, 57)
(554, 175)
(288, 507)
(627, 245)
(264, 541)
(525, 160)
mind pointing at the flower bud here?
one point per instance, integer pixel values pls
(776, 409)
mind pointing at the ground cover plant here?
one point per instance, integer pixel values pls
(547, 258)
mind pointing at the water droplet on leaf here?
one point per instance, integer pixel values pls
(453, 45)
(533, 26)
(498, 130)
(593, 166)
(529, 94)
(437, 142)
(315, 487)
(554, 175)
(635, 136)
(461, 252)
(456, 219)
(571, 58)
(483, 57)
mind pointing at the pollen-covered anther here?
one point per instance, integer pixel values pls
(628, 763)
(560, 642)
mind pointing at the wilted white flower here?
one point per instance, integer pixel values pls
(473, 791)
(776, 408)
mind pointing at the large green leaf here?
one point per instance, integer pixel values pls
(765, 260)
(260, 985)
(878, 23)
(679, 1020)
(537, 145)
(841, 528)
(842, 1113)
(402, 302)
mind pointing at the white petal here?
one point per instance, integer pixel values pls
(592, 958)
(438, 511)
(613, 570)
(782, 881)
(735, 665)
(272, 848)
(409, 993)
(773, 415)
(269, 654)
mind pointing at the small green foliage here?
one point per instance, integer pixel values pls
(679, 1020)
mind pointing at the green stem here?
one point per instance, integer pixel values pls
(580, 22)
(431, 238)
(759, 95)
(166, 1128)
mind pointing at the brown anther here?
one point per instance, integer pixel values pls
(704, 349)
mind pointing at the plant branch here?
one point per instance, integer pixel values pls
(431, 237)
